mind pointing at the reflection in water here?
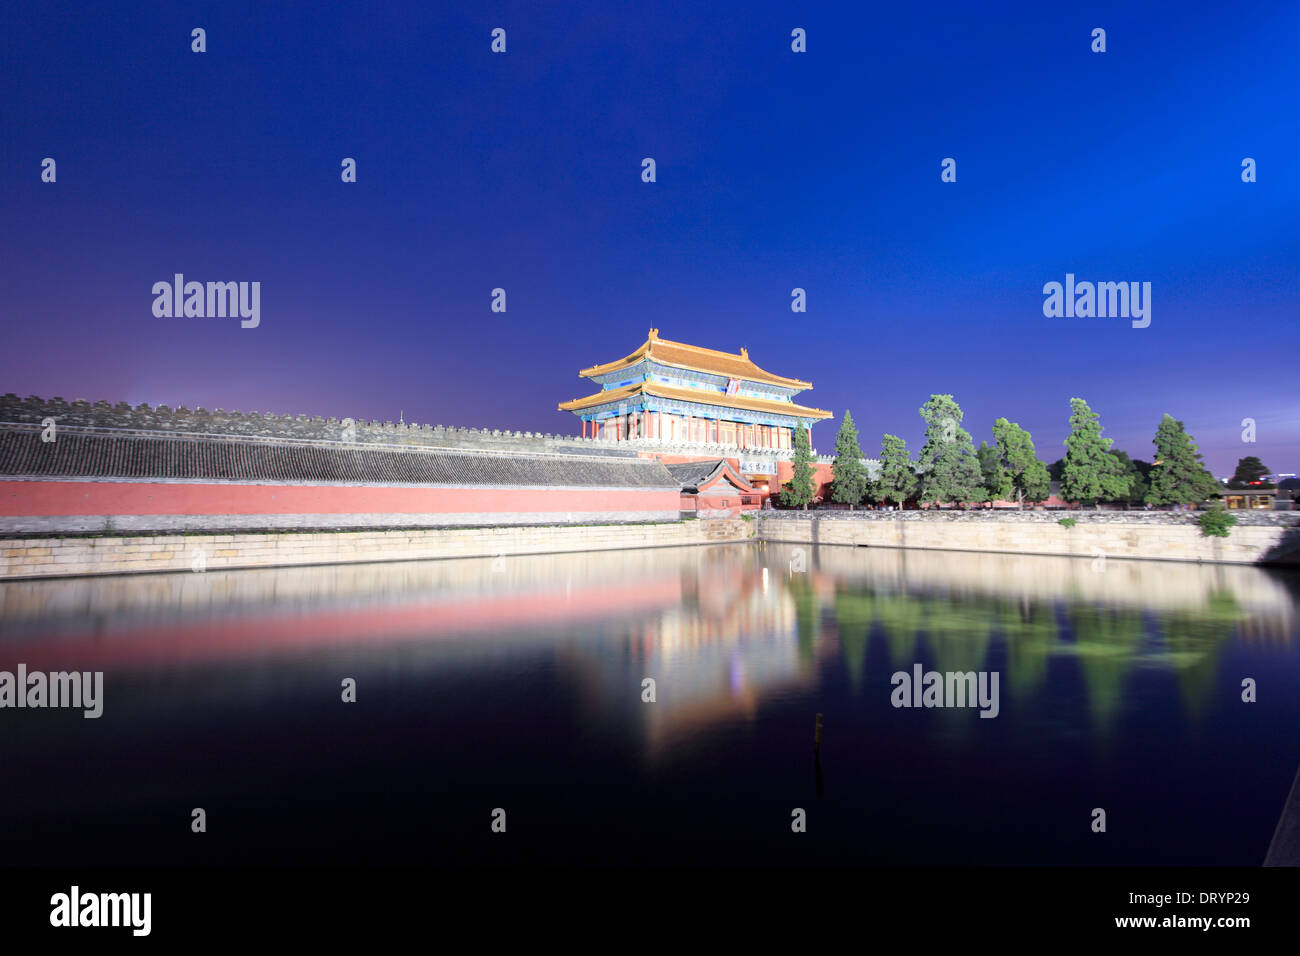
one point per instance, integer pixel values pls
(1106, 641)
(548, 654)
(950, 608)
(1191, 640)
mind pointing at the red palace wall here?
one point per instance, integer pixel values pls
(85, 505)
(822, 475)
(166, 498)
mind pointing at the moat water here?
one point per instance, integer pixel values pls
(517, 683)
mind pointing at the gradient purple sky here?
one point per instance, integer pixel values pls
(776, 170)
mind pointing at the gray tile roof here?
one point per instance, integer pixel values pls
(87, 453)
(692, 474)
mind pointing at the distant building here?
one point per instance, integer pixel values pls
(1287, 488)
(1249, 499)
(1260, 495)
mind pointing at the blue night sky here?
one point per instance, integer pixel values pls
(775, 170)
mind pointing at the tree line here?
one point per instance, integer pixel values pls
(950, 470)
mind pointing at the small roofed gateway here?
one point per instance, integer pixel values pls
(714, 487)
(671, 391)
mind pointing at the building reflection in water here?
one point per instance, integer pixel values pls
(722, 629)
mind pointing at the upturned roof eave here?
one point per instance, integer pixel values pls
(685, 395)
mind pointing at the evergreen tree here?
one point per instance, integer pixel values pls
(1250, 473)
(996, 480)
(1135, 473)
(950, 469)
(897, 482)
(1015, 449)
(1037, 485)
(798, 491)
(850, 485)
(1177, 475)
(872, 494)
(1089, 473)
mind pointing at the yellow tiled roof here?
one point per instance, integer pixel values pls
(697, 359)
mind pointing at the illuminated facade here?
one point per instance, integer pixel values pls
(684, 393)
